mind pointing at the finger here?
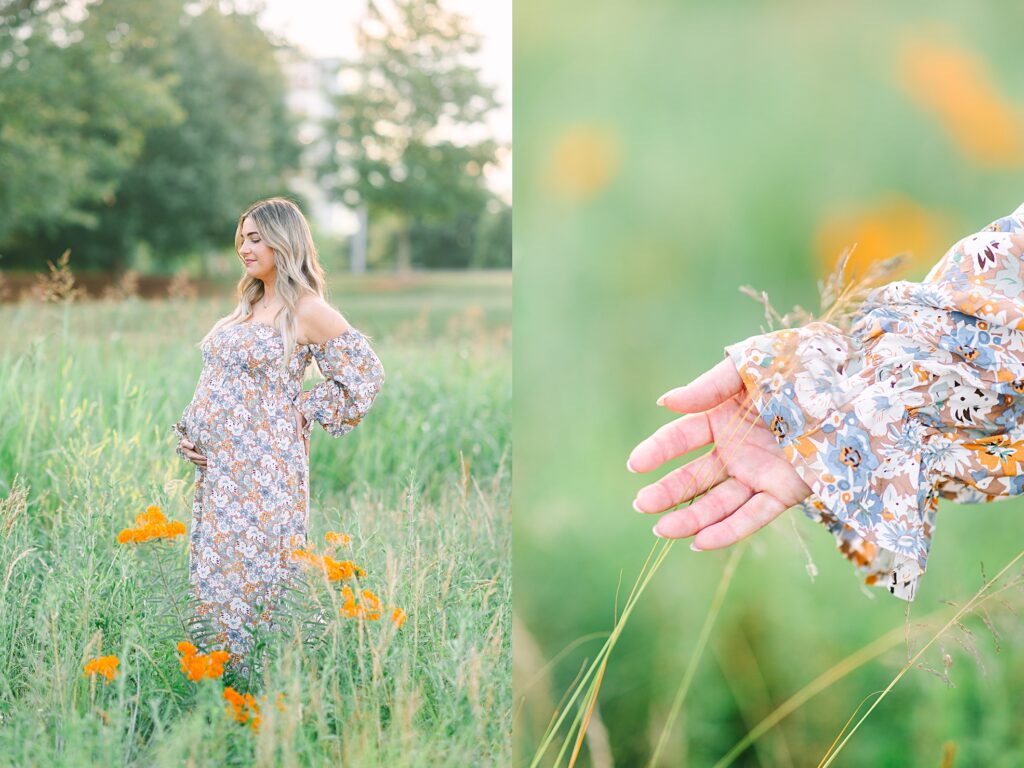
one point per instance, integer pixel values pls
(706, 391)
(669, 441)
(717, 504)
(681, 484)
(752, 516)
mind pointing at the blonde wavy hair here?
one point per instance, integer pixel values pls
(282, 227)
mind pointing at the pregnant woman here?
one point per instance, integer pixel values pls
(247, 427)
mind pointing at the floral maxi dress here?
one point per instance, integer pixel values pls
(251, 503)
(922, 399)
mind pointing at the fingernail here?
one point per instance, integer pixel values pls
(629, 465)
(661, 400)
(694, 547)
(638, 508)
(654, 530)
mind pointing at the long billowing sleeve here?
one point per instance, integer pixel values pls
(923, 398)
(353, 377)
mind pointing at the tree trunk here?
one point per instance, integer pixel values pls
(404, 251)
(358, 265)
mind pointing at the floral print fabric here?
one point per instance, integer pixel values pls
(922, 399)
(251, 502)
(353, 379)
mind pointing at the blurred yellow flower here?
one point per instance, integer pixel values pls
(103, 665)
(956, 87)
(892, 225)
(584, 159)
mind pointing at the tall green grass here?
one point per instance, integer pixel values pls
(423, 487)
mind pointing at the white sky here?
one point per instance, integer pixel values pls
(327, 29)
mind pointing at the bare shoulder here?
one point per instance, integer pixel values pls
(319, 321)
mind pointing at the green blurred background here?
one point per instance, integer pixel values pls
(667, 154)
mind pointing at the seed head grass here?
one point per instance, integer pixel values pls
(840, 296)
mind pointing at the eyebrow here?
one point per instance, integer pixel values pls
(246, 234)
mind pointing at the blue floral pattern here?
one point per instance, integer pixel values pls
(922, 399)
(250, 507)
(353, 378)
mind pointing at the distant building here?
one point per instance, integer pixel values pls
(311, 83)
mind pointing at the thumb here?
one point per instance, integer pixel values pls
(706, 391)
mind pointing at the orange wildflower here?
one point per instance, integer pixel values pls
(151, 524)
(371, 605)
(187, 648)
(335, 570)
(368, 606)
(338, 539)
(103, 665)
(197, 665)
(398, 616)
(244, 707)
(349, 608)
(236, 704)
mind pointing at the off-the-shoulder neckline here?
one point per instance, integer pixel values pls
(350, 331)
(346, 332)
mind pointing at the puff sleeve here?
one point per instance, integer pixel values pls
(923, 398)
(353, 376)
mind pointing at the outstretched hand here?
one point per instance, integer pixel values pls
(748, 480)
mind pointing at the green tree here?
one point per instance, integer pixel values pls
(76, 100)
(406, 138)
(235, 145)
(225, 140)
(492, 247)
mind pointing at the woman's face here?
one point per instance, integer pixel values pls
(257, 256)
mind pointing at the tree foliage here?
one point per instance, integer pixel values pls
(143, 122)
(407, 129)
(130, 126)
(76, 100)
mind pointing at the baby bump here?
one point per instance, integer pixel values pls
(248, 434)
(215, 418)
(195, 424)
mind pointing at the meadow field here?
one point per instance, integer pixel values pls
(667, 154)
(422, 487)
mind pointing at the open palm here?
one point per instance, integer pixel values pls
(748, 480)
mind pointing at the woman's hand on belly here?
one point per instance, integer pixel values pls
(301, 423)
(188, 450)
